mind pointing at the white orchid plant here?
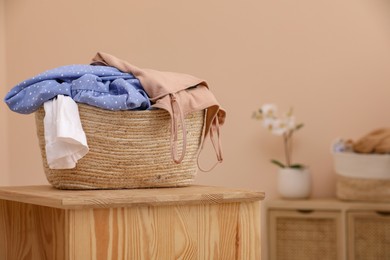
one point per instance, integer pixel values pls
(282, 126)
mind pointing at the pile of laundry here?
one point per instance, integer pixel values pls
(113, 84)
(374, 142)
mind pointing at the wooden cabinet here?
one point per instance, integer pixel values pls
(196, 222)
(328, 229)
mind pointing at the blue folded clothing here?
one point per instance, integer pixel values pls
(100, 86)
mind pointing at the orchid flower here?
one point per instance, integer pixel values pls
(284, 126)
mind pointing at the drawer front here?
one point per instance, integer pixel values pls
(368, 235)
(301, 235)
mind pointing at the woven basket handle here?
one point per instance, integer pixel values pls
(176, 111)
(214, 130)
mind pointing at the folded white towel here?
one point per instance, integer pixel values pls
(66, 142)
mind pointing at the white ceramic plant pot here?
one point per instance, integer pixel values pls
(294, 183)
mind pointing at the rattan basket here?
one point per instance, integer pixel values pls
(128, 149)
(356, 189)
(362, 177)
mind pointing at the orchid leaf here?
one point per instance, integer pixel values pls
(281, 165)
(297, 166)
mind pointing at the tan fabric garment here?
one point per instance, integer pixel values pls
(177, 93)
(377, 141)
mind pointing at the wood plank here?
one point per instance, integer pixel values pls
(78, 199)
(249, 245)
(202, 231)
(31, 232)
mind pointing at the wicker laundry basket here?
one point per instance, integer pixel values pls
(128, 149)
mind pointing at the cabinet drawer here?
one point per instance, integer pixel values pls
(305, 234)
(368, 235)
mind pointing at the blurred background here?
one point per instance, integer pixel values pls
(329, 60)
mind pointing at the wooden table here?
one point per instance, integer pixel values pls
(196, 222)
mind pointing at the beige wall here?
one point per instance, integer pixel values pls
(330, 60)
(4, 151)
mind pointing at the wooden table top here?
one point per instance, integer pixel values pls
(46, 195)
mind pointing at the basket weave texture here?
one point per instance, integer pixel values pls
(128, 149)
(306, 239)
(357, 189)
(371, 237)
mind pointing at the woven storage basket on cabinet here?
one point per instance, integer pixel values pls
(128, 149)
(362, 189)
(362, 177)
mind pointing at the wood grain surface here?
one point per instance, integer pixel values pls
(226, 231)
(77, 199)
(31, 232)
(203, 231)
(218, 224)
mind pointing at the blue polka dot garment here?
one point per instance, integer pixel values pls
(101, 86)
